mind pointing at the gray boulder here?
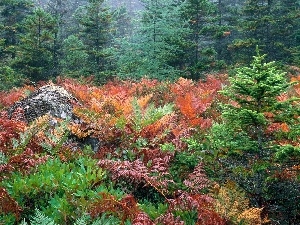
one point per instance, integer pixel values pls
(49, 99)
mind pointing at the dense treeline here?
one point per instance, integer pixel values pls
(166, 39)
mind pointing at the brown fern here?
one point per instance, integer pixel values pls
(8, 204)
(126, 208)
(203, 204)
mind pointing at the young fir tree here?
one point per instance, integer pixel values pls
(157, 49)
(35, 51)
(258, 137)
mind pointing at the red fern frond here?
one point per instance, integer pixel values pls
(188, 105)
(296, 87)
(26, 160)
(197, 180)
(8, 204)
(169, 219)
(182, 86)
(167, 122)
(144, 101)
(193, 109)
(9, 129)
(204, 205)
(136, 173)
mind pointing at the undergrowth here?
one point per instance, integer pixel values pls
(150, 166)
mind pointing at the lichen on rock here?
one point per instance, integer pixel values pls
(48, 99)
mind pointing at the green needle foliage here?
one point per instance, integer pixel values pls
(254, 91)
(247, 146)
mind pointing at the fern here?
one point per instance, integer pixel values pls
(144, 117)
(125, 209)
(40, 218)
(23, 222)
(106, 220)
(197, 181)
(83, 220)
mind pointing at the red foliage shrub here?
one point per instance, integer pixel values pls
(109, 114)
(203, 204)
(169, 219)
(137, 173)
(142, 218)
(194, 100)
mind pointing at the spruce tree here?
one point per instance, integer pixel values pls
(35, 51)
(95, 29)
(157, 48)
(75, 57)
(202, 18)
(273, 25)
(257, 138)
(12, 12)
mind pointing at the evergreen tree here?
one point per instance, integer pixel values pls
(285, 31)
(228, 15)
(95, 29)
(63, 11)
(256, 140)
(201, 15)
(122, 23)
(58, 9)
(131, 6)
(272, 25)
(12, 12)
(75, 57)
(157, 49)
(35, 52)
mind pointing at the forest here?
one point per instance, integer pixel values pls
(181, 112)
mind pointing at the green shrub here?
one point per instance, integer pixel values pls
(63, 191)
